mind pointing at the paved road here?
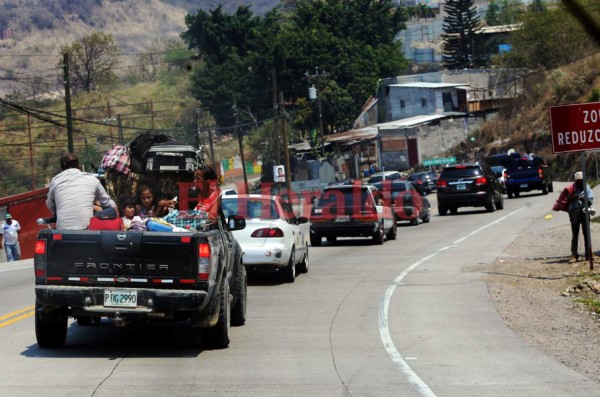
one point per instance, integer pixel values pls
(409, 318)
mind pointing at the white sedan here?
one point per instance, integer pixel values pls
(272, 239)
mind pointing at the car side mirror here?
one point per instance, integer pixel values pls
(302, 219)
(236, 222)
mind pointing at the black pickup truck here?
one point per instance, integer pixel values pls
(133, 276)
(523, 175)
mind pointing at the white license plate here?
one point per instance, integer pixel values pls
(523, 185)
(461, 186)
(120, 298)
(342, 218)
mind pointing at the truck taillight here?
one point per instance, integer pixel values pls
(267, 232)
(482, 180)
(442, 183)
(541, 173)
(40, 247)
(204, 261)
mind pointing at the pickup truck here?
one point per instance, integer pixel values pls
(131, 277)
(524, 175)
(134, 276)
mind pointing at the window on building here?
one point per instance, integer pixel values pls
(402, 104)
(423, 102)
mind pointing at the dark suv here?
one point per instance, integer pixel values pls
(426, 180)
(468, 185)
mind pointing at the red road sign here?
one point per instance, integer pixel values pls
(575, 127)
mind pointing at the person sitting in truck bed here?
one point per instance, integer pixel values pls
(72, 193)
(209, 193)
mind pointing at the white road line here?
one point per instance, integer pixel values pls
(384, 330)
(16, 268)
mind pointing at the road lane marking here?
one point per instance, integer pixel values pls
(384, 330)
(17, 315)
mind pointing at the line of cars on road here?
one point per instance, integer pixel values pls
(274, 240)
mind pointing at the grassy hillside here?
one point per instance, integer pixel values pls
(526, 124)
(33, 32)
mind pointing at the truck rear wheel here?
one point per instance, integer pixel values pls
(240, 293)
(50, 326)
(218, 335)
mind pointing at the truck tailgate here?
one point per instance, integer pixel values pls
(100, 256)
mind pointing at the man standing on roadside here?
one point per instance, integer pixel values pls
(72, 193)
(577, 215)
(10, 238)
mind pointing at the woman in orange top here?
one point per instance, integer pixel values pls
(209, 193)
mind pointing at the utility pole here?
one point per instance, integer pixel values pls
(112, 141)
(275, 111)
(241, 144)
(121, 137)
(70, 148)
(209, 131)
(286, 150)
(31, 154)
(315, 93)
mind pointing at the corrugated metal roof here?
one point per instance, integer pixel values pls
(423, 84)
(300, 146)
(371, 132)
(410, 121)
(361, 134)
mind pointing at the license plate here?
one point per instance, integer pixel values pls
(342, 218)
(461, 186)
(523, 185)
(120, 298)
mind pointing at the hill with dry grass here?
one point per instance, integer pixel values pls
(33, 32)
(526, 123)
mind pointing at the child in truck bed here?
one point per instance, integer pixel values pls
(131, 221)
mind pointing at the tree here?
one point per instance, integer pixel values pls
(228, 47)
(353, 41)
(504, 12)
(548, 38)
(463, 46)
(92, 61)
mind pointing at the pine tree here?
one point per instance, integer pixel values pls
(463, 46)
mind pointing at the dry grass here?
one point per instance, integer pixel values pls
(525, 124)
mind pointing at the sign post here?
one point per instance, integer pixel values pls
(576, 128)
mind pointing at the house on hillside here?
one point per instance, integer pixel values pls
(418, 117)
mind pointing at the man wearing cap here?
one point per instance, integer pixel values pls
(577, 215)
(10, 238)
(72, 193)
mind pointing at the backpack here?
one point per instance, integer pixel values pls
(116, 159)
(140, 145)
(562, 202)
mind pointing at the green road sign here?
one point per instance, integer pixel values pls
(439, 161)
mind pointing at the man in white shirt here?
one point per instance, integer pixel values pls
(72, 193)
(10, 238)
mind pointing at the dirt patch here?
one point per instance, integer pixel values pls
(536, 291)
